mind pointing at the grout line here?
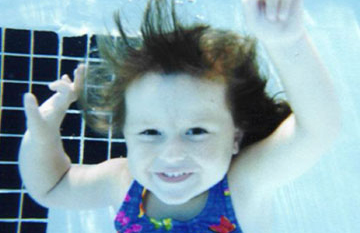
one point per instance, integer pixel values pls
(32, 220)
(45, 83)
(58, 57)
(116, 140)
(83, 124)
(82, 141)
(2, 70)
(63, 57)
(8, 163)
(21, 204)
(70, 111)
(20, 210)
(2, 191)
(26, 82)
(31, 62)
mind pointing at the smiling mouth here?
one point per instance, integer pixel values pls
(173, 177)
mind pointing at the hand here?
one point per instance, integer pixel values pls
(274, 21)
(44, 121)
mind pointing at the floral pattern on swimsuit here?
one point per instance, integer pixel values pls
(217, 216)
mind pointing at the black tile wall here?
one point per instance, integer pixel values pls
(46, 43)
(9, 205)
(68, 67)
(13, 93)
(71, 125)
(118, 150)
(8, 227)
(12, 122)
(74, 46)
(44, 69)
(17, 41)
(95, 151)
(9, 148)
(16, 68)
(30, 227)
(72, 148)
(48, 59)
(9, 177)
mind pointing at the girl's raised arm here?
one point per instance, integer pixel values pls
(45, 167)
(302, 138)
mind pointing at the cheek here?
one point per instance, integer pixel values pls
(213, 152)
(138, 157)
(220, 151)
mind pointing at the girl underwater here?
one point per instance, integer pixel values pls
(206, 146)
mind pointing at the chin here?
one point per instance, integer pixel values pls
(174, 201)
(178, 194)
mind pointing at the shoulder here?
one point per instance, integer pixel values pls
(254, 166)
(119, 177)
(113, 178)
(253, 208)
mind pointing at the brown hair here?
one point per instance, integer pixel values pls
(166, 46)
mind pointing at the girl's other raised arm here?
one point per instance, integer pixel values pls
(300, 140)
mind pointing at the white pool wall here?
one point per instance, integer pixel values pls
(324, 200)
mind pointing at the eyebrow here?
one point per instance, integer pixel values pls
(195, 121)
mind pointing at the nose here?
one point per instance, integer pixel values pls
(173, 151)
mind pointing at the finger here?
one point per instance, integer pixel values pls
(61, 86)
(284, 9)
(271, 9)
(261, 6)
(32, 112)
(66, 78)
(79, 69)
(65, 93)
(79, 77)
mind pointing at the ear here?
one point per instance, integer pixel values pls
(238, 136)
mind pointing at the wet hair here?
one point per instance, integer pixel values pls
(166, 46)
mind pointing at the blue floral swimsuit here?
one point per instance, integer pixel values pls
(217, 216)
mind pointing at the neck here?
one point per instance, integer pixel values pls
(155, 208)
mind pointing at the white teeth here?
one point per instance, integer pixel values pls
(175, 174)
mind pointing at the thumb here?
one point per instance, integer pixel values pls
(33, 116)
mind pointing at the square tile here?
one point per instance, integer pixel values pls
(17, 41)
(46, 43)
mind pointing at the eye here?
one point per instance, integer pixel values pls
(150, 132)
(196, 131)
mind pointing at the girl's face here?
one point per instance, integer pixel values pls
(180, 135)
